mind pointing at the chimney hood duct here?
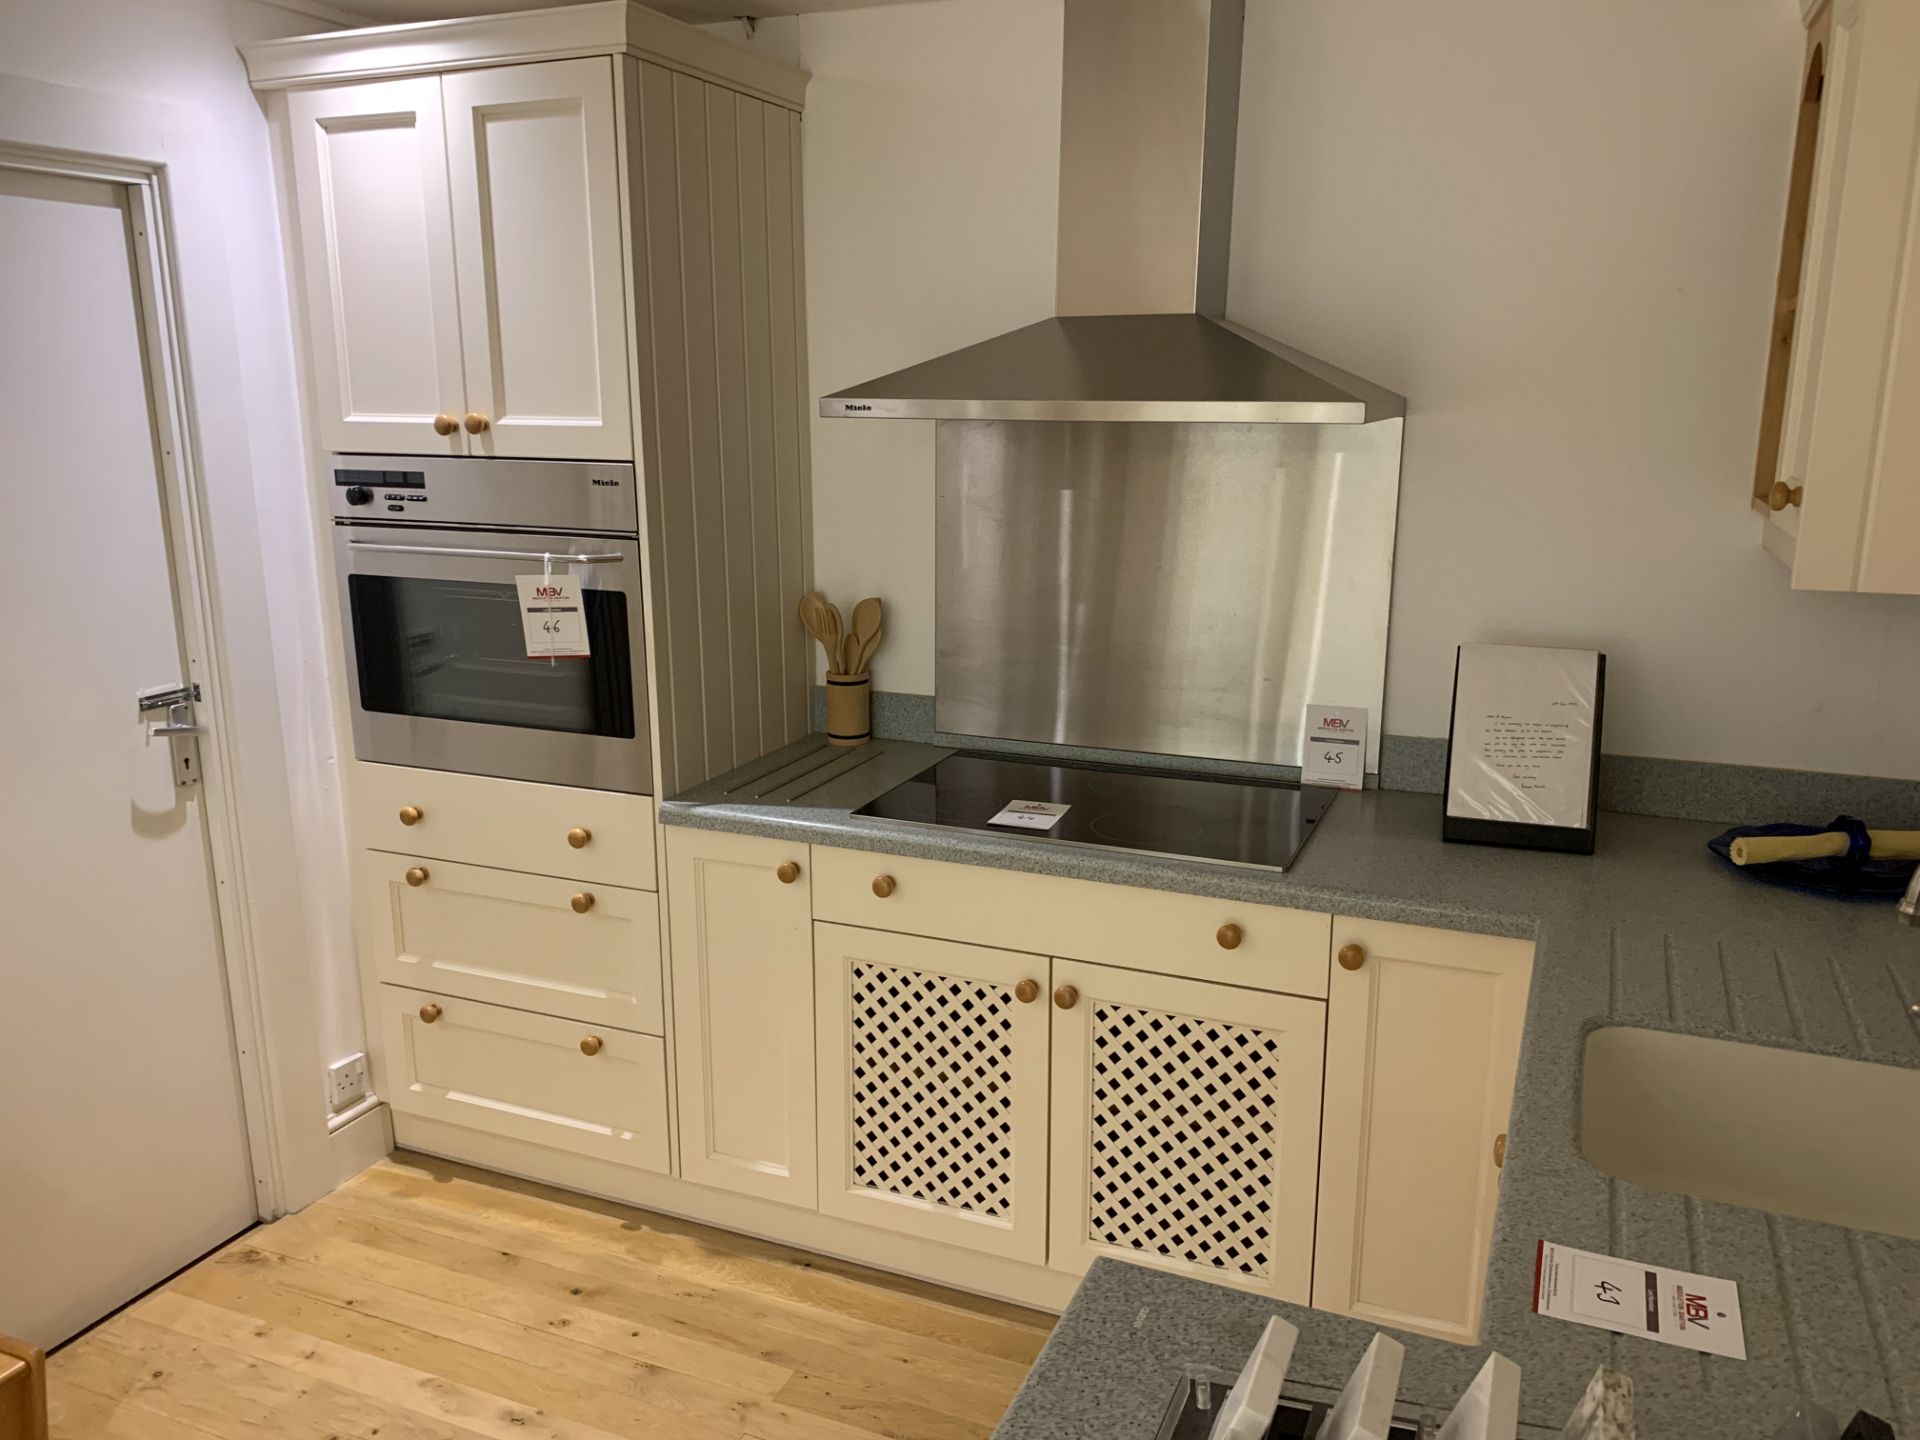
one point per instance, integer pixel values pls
(1150, 104)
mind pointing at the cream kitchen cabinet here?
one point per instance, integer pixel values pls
(742, 943)
(593, 1091)
(586, 952)
(1840, 436)
(1423, 1039)
(933, 1088)
(460, 243)
(1186, 1127)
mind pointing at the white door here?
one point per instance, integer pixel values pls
(122, 1141)
(1186, 1127)
(933, 1089)
(536, 223)
(376, 250)
(1423, 1039)
(739, 913)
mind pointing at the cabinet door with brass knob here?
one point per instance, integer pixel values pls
(385, 327)
(1185, 1127)
(508, 1072)
(512, 939)
(932, 1085)
(740, 908)
(536, 183)
(1423, 1037)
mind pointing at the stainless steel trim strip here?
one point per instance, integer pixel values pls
(463, 553)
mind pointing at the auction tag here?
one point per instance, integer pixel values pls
(1030, 815)
(553, 616)
(1673, 1307)
(1335, 752)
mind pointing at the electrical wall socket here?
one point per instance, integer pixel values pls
(347, 1082)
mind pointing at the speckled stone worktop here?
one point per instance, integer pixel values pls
(1650, 931)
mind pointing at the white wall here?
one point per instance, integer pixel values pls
(1553, 227)
(183, 52)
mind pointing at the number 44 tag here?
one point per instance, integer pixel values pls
(553, 616)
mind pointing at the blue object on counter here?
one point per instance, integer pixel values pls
(1855, 874)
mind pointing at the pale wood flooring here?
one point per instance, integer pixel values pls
(427, 1301)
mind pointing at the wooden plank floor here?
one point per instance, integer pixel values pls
(427, 1301)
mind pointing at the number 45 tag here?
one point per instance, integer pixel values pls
(1335, 752)
(553, 616)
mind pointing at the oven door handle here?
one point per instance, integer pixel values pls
(463, 553)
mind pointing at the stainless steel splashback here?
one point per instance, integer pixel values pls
(1182, 589)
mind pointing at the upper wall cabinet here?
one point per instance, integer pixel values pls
(461, 246)
(1838, 478)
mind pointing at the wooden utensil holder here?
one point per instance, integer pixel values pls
(849, 709)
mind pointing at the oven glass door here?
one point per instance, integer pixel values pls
(439, 667)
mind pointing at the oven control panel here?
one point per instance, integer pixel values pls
(587, 496)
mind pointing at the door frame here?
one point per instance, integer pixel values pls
(257, 830)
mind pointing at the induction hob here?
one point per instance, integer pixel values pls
(1154, 812)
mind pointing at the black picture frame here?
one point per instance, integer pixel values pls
(1567, 839)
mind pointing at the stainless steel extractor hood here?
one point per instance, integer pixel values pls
(1150, 104)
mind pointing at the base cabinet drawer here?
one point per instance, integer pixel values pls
(1423, 1039)
(1186, 1127)
(587, 953)
(598, 835)
(1262, 947)
(601, 1093)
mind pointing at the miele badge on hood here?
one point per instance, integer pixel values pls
(1030, 814)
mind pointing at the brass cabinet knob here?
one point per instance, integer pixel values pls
(417, 876)
(411, 814)
(883, 885)
(445, 424)
(1352, 957)
(591, 1045)
(1782, 495)
(788, 872)
(582, 902)
(1229, 936)
(1066, 997)
(429, 1012)
(1027, 991)
(1500, 1150)
(476, 422)
(579, 836)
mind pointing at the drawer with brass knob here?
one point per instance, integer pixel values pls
(513, 939)
(594, 1091)
(596, 837)
(1258, 946)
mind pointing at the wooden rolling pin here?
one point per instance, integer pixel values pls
(1767, 849)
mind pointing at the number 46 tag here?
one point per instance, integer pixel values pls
(553, 616)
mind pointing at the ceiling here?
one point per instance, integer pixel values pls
(393, 12)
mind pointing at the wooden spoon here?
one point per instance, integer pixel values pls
(835, 629)
(865, 638)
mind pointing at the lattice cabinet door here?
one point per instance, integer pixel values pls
(933, 1088)
(1186, 1127)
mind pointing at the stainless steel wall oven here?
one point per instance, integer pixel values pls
(426, 555)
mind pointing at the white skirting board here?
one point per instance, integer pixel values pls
(1032, 1285)
(364, 1140)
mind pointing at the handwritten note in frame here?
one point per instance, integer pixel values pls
(1524, 749)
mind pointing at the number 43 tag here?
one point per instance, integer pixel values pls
(553, 616)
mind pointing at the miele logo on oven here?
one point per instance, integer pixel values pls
(1334, 722)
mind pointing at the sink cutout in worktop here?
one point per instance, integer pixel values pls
(1780, 1130)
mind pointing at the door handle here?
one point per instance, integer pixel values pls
(169, 727)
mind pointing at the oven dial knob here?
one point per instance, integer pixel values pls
(358, 495)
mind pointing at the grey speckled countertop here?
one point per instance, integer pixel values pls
(1650, 931)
